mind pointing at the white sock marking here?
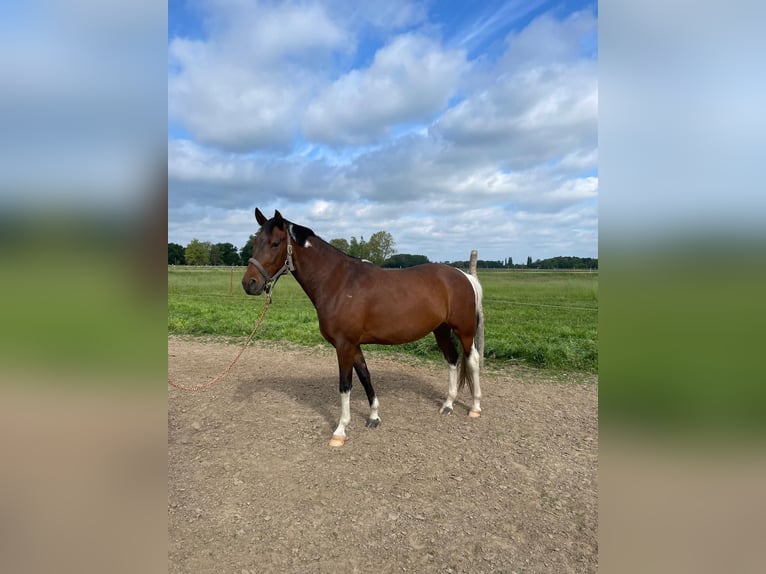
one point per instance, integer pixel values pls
(452, 390)
(374, 409)
(474, 360)
(345, 414)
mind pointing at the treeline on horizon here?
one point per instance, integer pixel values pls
(560, 262)
(206, 253)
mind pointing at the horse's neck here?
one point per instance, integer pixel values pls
(314, 265)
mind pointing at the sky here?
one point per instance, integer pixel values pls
(451, 125)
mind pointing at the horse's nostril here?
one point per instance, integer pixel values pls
(252, 286)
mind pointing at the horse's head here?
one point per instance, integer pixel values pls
(270, 254)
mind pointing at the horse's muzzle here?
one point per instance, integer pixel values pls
(252, 286)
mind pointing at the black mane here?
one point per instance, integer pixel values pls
(300, 233)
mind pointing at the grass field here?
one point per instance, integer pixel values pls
(540, 319)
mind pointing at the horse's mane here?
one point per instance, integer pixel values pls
(299, 233)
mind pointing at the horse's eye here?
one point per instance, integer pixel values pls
(275, 244)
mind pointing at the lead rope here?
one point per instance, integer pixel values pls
(231, 365)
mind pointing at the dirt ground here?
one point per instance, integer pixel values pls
(254, 487)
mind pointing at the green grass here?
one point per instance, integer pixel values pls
(538, 319)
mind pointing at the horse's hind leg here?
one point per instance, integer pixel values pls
(473, 363)
(444, 340)
(360, 366)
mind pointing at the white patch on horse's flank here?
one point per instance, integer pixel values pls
(478, 293)
(477, 290)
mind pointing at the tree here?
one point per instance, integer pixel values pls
(380, 247)
(215, 254)
(176, 254)
(341, 244)
(358, 248)
(228, 254)
(197, 252)
(405, 260)
(529, 261)
(247, 250)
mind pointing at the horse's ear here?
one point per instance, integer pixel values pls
(259, 217)
(278, 219)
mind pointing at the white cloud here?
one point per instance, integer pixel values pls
(322, 210)
(547, 41)
(408, 80)
(580, 160)
(538, 104)
(572, 192)
(206, 176)
(531, 117)
(249, 83)
(188, 161)
(510, 170)
(245, 86)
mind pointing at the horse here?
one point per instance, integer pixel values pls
(359, 303)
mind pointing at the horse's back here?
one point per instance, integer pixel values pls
(445, 279)
(434, 275)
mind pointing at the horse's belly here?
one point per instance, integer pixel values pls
(395, 328)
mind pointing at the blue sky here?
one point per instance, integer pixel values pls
(452, 125)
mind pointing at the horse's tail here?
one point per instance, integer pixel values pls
(464, 373)
(479, 338)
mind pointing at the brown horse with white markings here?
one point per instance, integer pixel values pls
(359, 303)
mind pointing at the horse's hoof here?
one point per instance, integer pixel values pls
(372, 423)
(337, 440)
(445, 410)
(474, 414)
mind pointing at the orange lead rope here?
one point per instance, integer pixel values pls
(225, 372)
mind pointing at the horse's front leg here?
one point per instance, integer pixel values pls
(346, 366)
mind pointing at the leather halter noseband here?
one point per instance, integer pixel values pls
(287, 266)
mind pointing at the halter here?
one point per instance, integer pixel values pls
(287, 266)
